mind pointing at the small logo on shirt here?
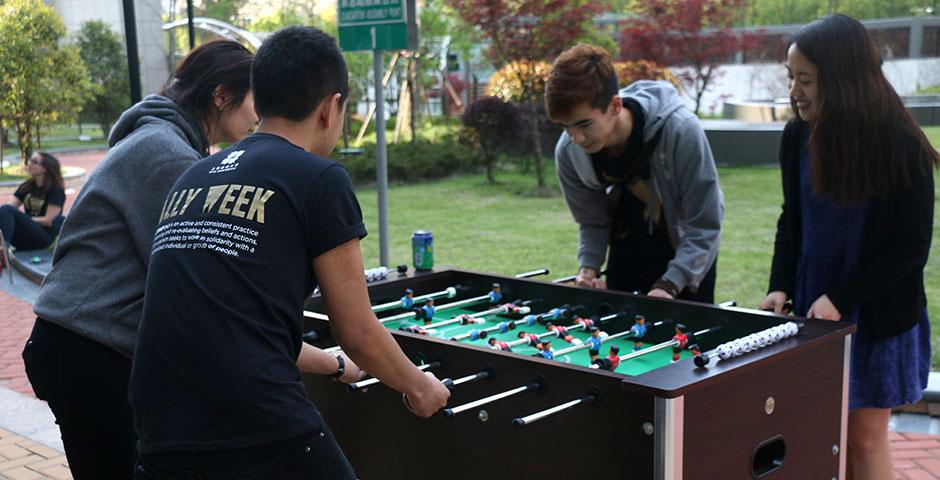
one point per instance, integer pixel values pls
(228, 163)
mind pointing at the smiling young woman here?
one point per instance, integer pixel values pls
(855, 230)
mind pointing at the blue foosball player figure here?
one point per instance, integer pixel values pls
(408, 300)
(595, 342)
(495, 294)
(428, 311)
(546, 350)
(639, 329)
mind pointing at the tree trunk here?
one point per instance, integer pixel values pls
(537, 143)
(412, 94)
(490, 167)
(445, 103)
(24, 140)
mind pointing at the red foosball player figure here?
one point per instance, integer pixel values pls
(499, 345)
(680, 337)
(561, 332)
(414, 329)
(611, 362)
(639, 329)
(466, 319)
(531, 339)
(595, 342)
(614, 357)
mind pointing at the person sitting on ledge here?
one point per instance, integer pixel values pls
(42, 197)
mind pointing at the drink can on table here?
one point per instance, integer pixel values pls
(422, 246)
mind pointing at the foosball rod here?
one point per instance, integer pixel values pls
(487, 372)
(449, 292)
(749, 343)
(538, 384)
(660, 346)
(593, 395)
(352, 387)
(615, 336)
(533, 273)
(528, 319)
(498, 310)
(449, 306)
(571, 278)
(554, 333)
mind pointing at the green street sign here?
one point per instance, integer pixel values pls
(376, 24)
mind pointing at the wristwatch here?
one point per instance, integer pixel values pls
(667, 286)
(340, 368)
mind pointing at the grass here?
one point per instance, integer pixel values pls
(13, 172)
(66, 136)
(505, 229)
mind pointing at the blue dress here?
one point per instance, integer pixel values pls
(884, 373)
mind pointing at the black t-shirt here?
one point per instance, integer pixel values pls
(623, 168)
(35, 201)
(214, 366)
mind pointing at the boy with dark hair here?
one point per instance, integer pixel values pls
(245, 235)
(639, 178)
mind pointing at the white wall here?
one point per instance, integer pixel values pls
(151, 40)
(769, 81)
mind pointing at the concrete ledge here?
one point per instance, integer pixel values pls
(69, 174)
(736, 143)
(23, 261)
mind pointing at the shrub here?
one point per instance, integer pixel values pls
(507, 85)
(633, 70)
(408, 162)
(496, 126)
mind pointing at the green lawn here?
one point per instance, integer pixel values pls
(503, 229)
(13, 172)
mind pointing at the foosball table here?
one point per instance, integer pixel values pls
(556, 381)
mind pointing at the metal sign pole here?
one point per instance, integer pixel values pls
(381, 160)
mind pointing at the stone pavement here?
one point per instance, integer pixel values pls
(30, 447)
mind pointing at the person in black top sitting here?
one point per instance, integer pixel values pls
(42, 197)
(244, 237)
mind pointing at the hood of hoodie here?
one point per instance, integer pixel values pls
(158, 109)
(658, 99)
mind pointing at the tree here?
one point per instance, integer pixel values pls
(103, 54)
(693, 33)
(526, 32)
(40, 80)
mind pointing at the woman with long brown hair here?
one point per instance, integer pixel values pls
(42, 197)
(855, 230)
(78, 357)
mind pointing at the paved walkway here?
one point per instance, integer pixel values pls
(31, 449)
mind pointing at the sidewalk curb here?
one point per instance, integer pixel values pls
(29, 417)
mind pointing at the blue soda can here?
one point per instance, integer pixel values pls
(422, 246)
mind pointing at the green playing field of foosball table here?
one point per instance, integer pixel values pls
(540, 329)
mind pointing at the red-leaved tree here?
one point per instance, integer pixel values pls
(692, 33)
(525, 32)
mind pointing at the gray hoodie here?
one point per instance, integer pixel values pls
(96, 286)
(683, 179)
